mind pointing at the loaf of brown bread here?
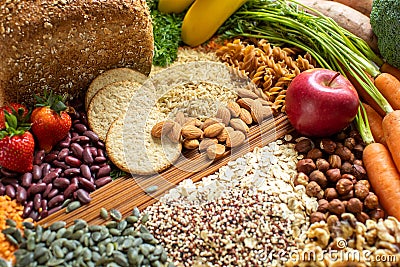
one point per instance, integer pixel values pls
(64, 44)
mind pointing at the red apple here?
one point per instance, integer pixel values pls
(321, 102)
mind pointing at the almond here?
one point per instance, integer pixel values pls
(222, 136)
(161, 128)
(229, 129)
(261, 95)
(191, 144)
(191, 132)
(215, 151)
(209, 122)
(235, 139)
(213, 130)
(245, 103)
(257, 112)
(234, 108)
(206, 142)
(175, 134)
(190, 121)
(239, 125)
(245, 116)
(245, 93)
(265, 102)
(180, 118)
(224, 114)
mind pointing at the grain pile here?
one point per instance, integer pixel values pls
(235, 216)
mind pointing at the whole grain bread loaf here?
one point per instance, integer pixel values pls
(64, 44)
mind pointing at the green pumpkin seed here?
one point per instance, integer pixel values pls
(96, 236)
(136, 212)
(122, 225)
(102, 248)
(3, 263)
(137, 242)
(39, 251)
(144, 250)
(51, 238)
(39, 232)
(129, 232)
(115, 232)
(9, 230)
(11, 223)
(44, 258)
(11, 239)
(73, 206)
(77, 235)
(109, 249)
(143, 229)
(57, 225)
(60, 232)
(140, 259)
(80, 224)
(171, 264)
(155, 263)
(55, 262)
(104, 213)
(144, 218)
(95, 228)
(147, 237)
(68, 233)
(115, 214)
(78, 251)
(70, 245)
(66, 202)
(18, 236)
(69, 256)
(96, 256)
(132, 219)
(151, 189)
(111, 224)
(28, 225)
(158, 250)
(127, 243)
(58, 252)
(86, 254)
(120, 259)
(164, 257)
(28, 232)
(26, 259)
(90, 264)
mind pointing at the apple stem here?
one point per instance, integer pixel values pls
(333, 78)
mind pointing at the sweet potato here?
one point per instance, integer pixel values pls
(363, 6)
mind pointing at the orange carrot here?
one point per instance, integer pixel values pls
(384, 177)
(386, 67)
(389, 87)
(375, 123)
(391, 130)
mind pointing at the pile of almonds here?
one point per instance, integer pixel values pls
(332, 171)
(228, 129)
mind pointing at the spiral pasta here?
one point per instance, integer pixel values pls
(271, 68)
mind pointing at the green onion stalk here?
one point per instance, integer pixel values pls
(333, 47)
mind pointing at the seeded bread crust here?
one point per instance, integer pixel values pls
(64, 44)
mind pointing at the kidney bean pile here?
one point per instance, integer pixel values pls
(77, 166)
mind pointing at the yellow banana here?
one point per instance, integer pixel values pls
(204, 18)
(173, 6)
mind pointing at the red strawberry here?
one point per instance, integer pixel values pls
(16, 146)
(50, 122)
(13, 108)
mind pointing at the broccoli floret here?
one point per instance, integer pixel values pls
(385, 22)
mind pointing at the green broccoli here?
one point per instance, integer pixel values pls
(385, 22)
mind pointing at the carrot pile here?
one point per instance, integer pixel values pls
(9, 209)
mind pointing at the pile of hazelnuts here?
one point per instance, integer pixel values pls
(332, 170)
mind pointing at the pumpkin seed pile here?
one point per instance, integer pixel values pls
(120, 242)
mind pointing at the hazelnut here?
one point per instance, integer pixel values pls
(358, 171)
(377, 214)
(322, 164)
(350, 177)
(358, 151)
(328, 146)
(319, 178)
(317, 217)
(344, 153)
(341, 135)
(304, 146)
(362, 217)
(335, 161)
(350, 143)
(313, 189)
(347, 196)
(366, 183)
(301, 179)
(346, 167)
(360, 190)
(354, 205)
(371, 201)
(336, 207)
(356, 136)
(344, 186)
(314, 154)
(306, 166)
(323, 205)
(358, 162)
(333, 175)
(331, 193)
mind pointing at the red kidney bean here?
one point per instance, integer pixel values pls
(79, 127)
(61, 183)
(87, 156)
(83, 196)
(26, 179)
(94, 168)
(37, 201)
(72, 161)
(60, 164)
(74, 180)
(85, 171)
(65, 142)
(93, 150)
(44, 214)
(39, 156)
(55, 201)
(100, 152)
(21, 194)
(36, 172)
(34, 215)
(104, 171)
(92, 135)
(50, 177)
(36, 188)
(55, 209)
(83, 118)
(43, 204)
(72, 171)
(2, 189)
(62, 154)
(70, 190)
(50, 157)
(8, 173)
(86, 184)
(100, 160)
(77, 150)
(9, 180)
(27, 209)
(10, 191)
(100, 144)
(45, 169)
(103, 181)
(81, 139)
(74, 134)
(46, 192)
(53, 193)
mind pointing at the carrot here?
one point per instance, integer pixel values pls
(363, 6)
(389, 86)
(384, 177)
(375, 123)
(391, 130)
(346, 17)
(386, 67)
